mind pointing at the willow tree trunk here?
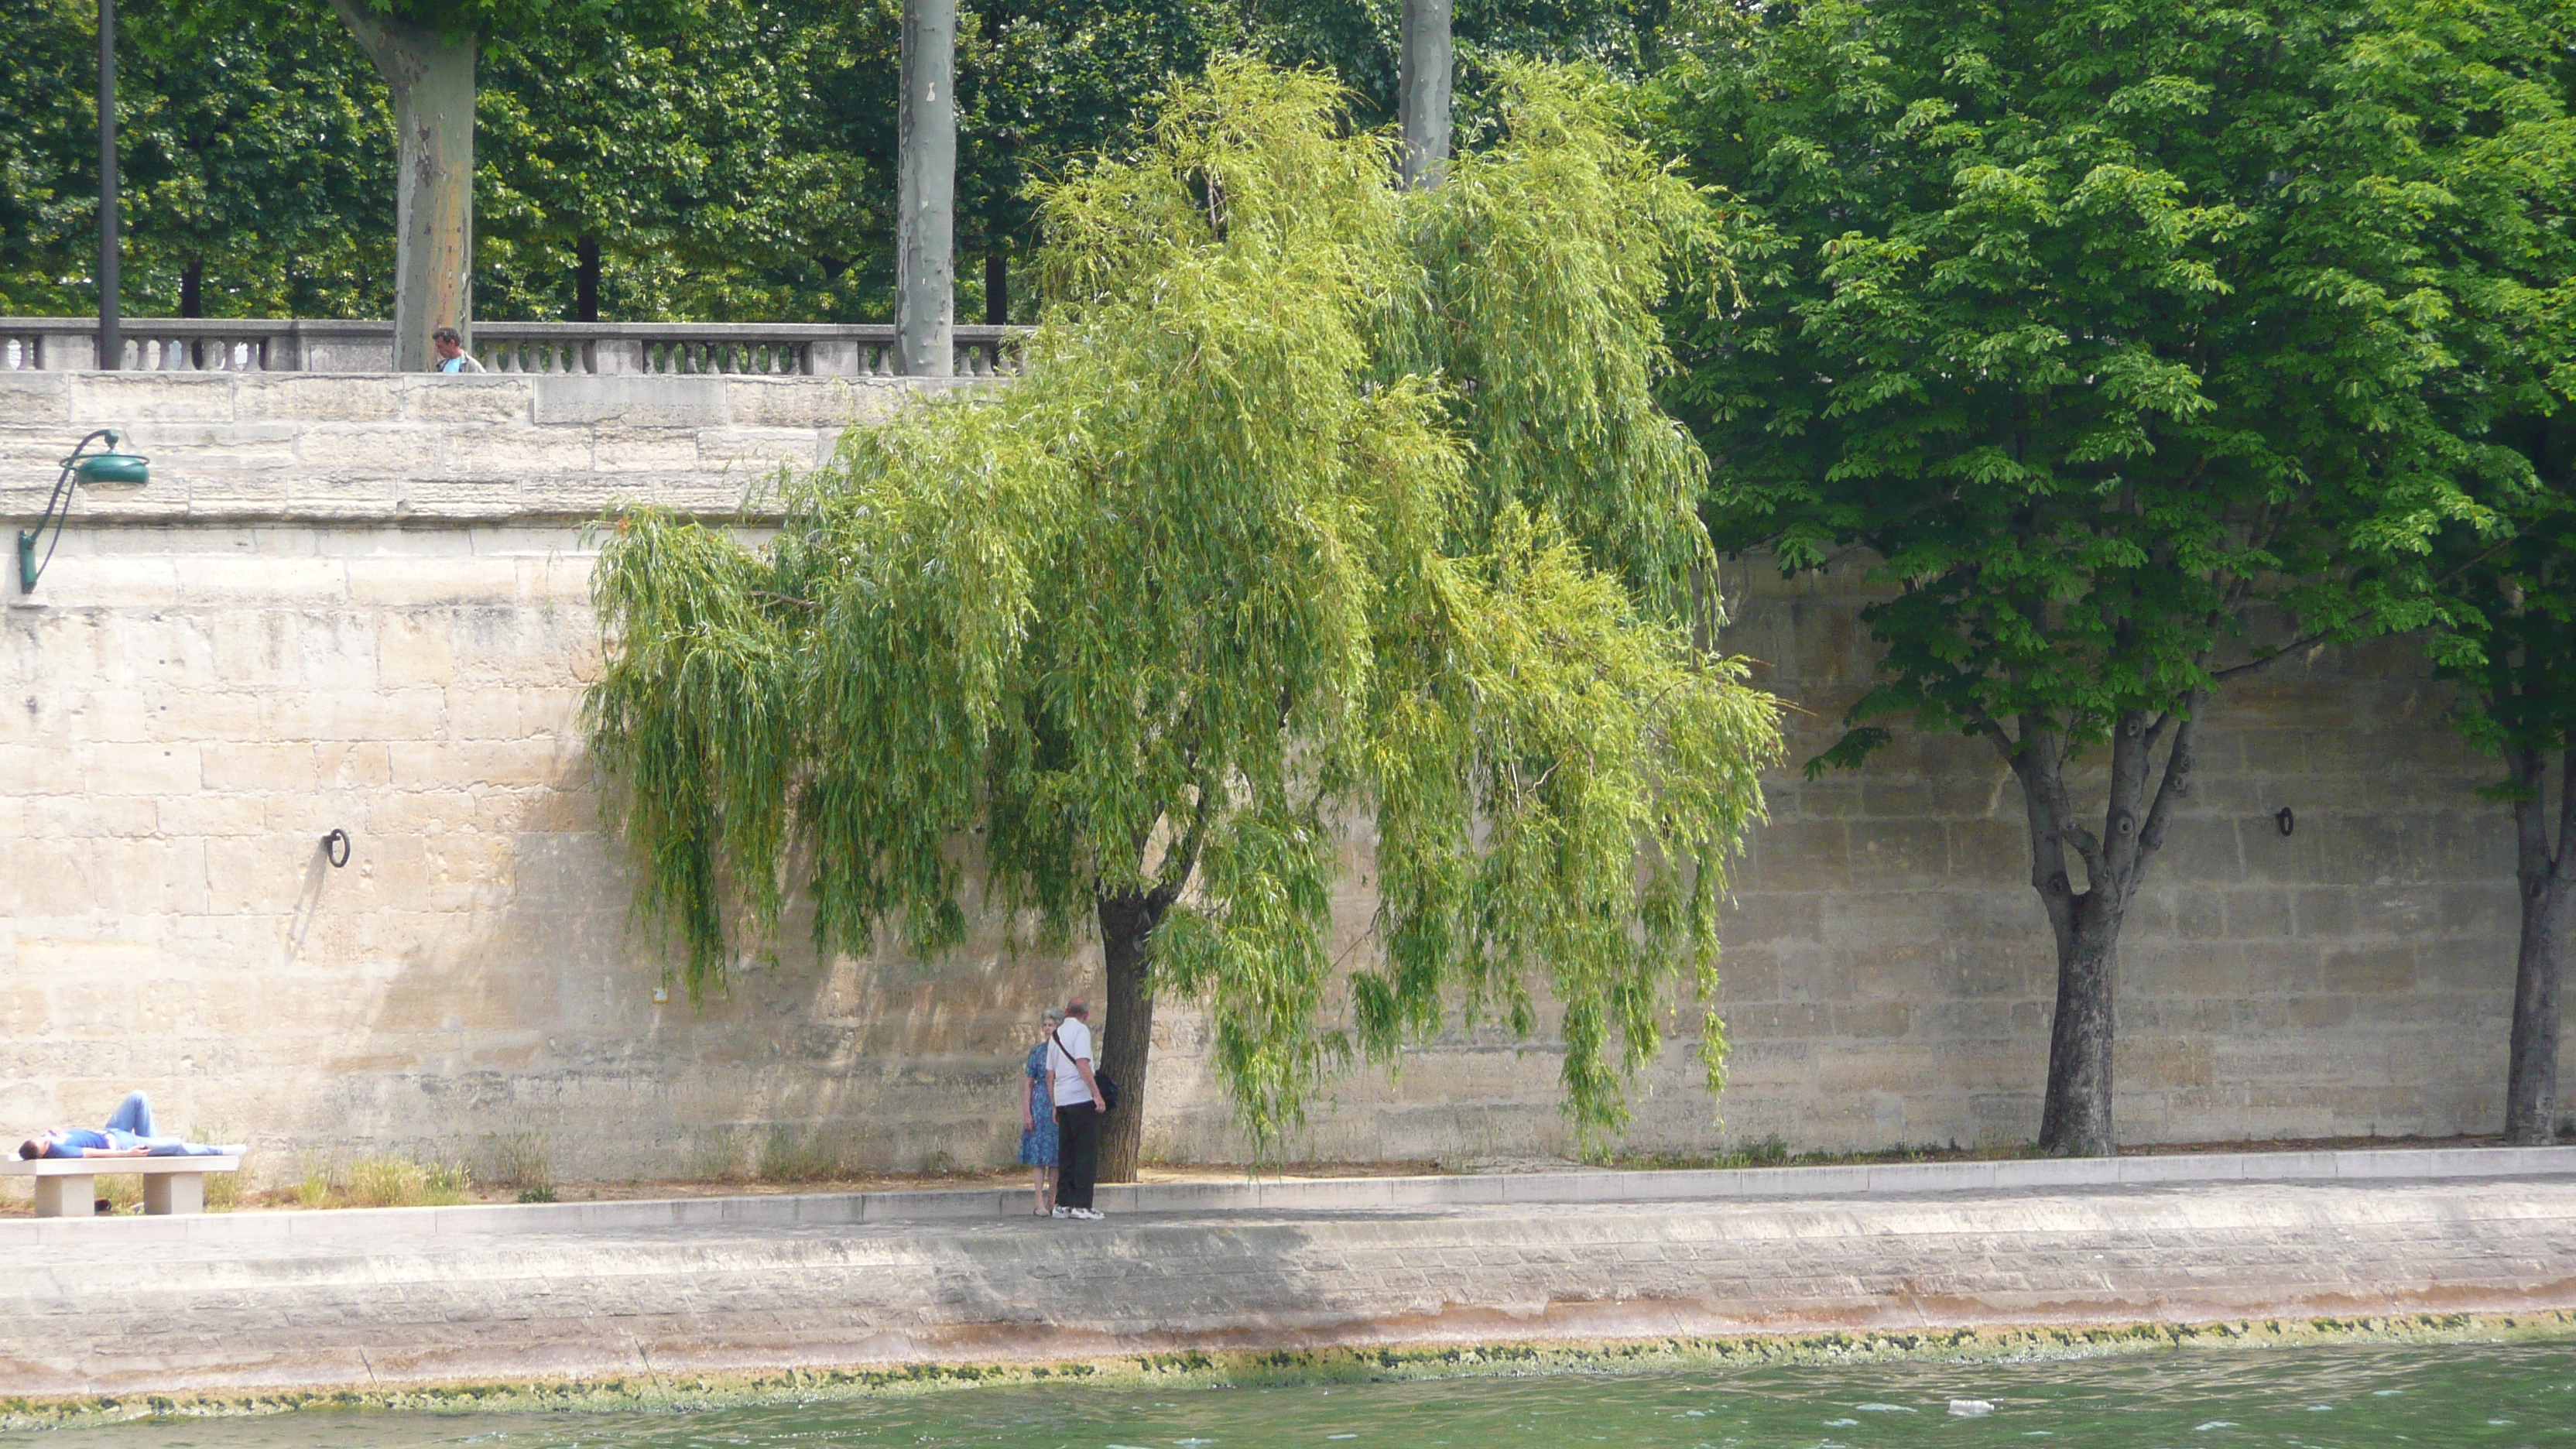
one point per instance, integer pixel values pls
(2531, 1075)
(1425, 63)
(925, 262)
(1127, 1036)
(431, 74)
(2075, 1115)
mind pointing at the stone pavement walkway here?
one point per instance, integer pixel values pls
(103, 1310)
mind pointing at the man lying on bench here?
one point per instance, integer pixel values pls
(127, 1134)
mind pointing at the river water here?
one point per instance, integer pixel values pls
(2520, 1394)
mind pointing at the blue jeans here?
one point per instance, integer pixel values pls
(133, 1116)
(131, 1126)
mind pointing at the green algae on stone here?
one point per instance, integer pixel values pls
(1194, 1368)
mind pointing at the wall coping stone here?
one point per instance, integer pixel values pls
(789, 1210)
(428, 449)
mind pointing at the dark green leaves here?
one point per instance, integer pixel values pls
(2098, 328)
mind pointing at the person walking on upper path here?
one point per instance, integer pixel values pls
(1038, 1138)
(452, 356)
(1077, 1112)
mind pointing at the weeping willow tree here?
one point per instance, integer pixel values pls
(1320, 505)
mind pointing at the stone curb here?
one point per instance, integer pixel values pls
(1322, 1195)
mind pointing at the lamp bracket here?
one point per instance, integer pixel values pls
(83, 466)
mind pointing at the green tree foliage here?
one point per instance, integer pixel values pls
(2108, 330)
(1356, 39)
(714, 162)
(1319, 501)
(731, 159)
(2511, 644)
(256, 160)
(701, 168)
(2518, 700)
(2512, 651)
(1040, 85)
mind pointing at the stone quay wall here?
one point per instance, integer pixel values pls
(360, 603)
(512, 1295)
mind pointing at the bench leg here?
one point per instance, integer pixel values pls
(65, 1197)
(174, 1192)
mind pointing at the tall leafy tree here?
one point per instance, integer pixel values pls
(42, 99)
(1318, 500)
(729, 160)
(2128, 341)
(426, 50)
(255, 158)
(675, 172)
(1042, 84)
(2510, 643)
(2518, 700)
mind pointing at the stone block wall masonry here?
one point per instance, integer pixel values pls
(391, 448)
(360, 603)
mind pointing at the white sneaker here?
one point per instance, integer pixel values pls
(1064, 1212)
(1088, 1216)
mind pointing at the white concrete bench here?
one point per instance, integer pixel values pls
(67, 1187)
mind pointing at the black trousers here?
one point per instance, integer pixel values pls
(1077, 1154)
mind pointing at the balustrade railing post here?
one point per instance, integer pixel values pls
(66, 351)
(837, 357)
(616, 356)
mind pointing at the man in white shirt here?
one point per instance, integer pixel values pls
(1077, 1113)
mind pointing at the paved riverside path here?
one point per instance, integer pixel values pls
(124, 1306)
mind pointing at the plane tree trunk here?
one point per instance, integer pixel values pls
(431, 75)
(1425, 66)
(2075, 1118)
(925, 264)
(2541, 872)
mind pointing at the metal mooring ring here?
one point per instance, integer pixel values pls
(335, 848)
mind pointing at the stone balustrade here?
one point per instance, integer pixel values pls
(254, 344)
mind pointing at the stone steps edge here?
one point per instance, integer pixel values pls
(1324, 1194)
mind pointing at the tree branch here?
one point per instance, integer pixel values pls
(2176, 783)
(370, 30)
(2123, 818)
(2038, 766)
(1996, 734)
(1184, 857)
(2566, 809)
(2304, 641)
(2088, 846)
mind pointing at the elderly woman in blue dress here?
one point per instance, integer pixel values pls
(1037, 1115)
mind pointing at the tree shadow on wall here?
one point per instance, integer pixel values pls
(523, 1003)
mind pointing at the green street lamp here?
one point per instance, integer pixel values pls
(106, 468)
